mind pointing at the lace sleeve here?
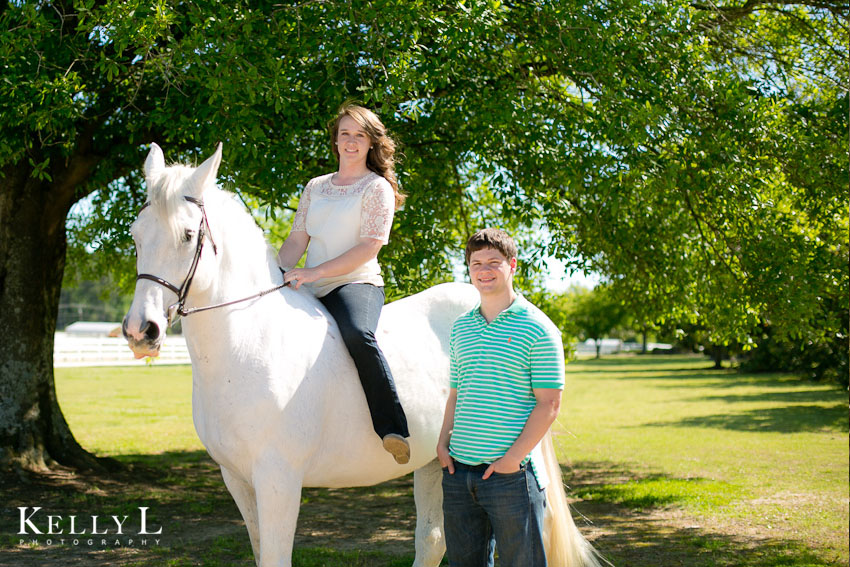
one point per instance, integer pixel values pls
(376, 214)
(299, 223)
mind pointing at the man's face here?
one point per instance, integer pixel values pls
(490, 271)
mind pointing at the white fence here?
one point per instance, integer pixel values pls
(79, 350)
(71, 350)
(614, 346)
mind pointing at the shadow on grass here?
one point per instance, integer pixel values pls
(790, 384)
(643, 539)
(634, 363)
(797, 396)
(726, 378)
(602, 481)
(789, 419)
(806, 407)
(637, 521)
(370, 526)
(182, 491)
(201, 525)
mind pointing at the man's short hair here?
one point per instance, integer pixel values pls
(491, 238)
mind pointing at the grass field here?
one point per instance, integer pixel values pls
(668, 463)
(751, 464)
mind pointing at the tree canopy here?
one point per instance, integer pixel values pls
(595, 314)
(693, 155)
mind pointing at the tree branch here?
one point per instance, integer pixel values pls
(728, 14)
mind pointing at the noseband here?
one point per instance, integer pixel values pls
(179, 308)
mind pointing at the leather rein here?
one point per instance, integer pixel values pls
(179, 308)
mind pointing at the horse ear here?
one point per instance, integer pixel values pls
(206, 173)
(155, 161)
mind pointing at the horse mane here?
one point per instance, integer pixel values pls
(243, 233)
(165, 195)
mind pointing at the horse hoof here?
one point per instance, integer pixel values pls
(397, 446)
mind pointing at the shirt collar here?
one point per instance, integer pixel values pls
(519, 305)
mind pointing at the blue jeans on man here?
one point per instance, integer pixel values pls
(505, 512)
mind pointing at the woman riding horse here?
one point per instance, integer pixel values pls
(343, 220)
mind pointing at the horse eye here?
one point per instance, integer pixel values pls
(188, 235)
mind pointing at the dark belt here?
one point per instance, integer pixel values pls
(474, 468)
(478, 468)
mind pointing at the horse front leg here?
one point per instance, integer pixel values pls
(246, 500)
(428, 496)
(278, 490)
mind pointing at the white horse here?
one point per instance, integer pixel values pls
(276, 399)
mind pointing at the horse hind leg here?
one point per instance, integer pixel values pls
(246, 500)
(428, 495)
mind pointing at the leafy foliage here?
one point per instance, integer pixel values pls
(595, 314)
(695, 156)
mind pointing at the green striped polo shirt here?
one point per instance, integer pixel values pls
(495, 368)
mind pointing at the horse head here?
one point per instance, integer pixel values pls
(175, 250)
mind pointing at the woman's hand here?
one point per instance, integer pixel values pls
(298, 276)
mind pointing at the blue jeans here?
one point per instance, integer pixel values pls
(356, 309)
(504, 511)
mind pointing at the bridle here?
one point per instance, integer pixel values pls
(179, 308)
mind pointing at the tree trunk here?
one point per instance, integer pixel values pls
(718, 353)
(643, 349)
(33, 432)
(598, 348)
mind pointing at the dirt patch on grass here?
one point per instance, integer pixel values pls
(190, 504)
(201, 525)
(184, 502)
(750, 532)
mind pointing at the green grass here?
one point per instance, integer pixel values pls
(676, 463)
(119, 411)
(764, 451)
(698, 494)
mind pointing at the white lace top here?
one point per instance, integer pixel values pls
(337, 217)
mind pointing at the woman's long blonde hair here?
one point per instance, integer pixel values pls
(381, 156)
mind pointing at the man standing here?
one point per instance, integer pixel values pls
(507, 375)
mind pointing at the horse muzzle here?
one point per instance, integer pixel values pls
(146, 340)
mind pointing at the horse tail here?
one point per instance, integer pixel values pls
(564, 544)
